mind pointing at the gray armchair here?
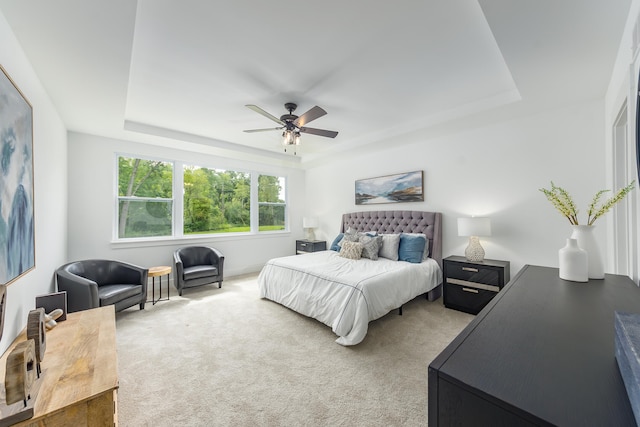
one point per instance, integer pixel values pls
(95, 283)
(196, 266)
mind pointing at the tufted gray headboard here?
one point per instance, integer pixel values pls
(428, 223)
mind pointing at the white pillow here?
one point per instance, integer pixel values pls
(389, 247)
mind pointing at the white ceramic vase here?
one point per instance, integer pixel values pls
(587, 241)
(573, 261)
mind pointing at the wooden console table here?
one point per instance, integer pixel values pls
(80, 372)
(542, 352)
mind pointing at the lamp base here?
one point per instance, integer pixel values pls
(311, 236)
(474, 251)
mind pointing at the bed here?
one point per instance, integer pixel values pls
(347, 294)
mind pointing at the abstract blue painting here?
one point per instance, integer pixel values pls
(17, 237)
(402, 187)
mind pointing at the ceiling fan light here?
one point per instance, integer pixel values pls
(287, 137)
(297, 138)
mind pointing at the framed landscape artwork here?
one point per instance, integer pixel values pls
(17, 236)
(402, 187)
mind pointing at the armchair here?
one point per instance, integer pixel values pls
(95, 283)
(196, 266)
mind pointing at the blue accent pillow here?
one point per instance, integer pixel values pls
(334, 246)
(411, 248)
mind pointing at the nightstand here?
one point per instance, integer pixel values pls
(308, 246)
(468, 286)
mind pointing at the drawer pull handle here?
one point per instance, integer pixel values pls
(474, 285)
(475, 270)
(475, 291)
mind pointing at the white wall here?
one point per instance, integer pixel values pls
(494, 170)
(50, 189)
(92, 196)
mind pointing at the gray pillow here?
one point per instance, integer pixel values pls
(370, 245)
(350, 235)
(389, 247)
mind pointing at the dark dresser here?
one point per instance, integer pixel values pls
(540, 353)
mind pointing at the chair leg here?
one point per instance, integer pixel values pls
(141, 306)
(219, 284)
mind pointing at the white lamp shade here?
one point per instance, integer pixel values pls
(309, 222)
(474, 226)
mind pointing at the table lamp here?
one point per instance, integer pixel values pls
(309, 223)
(474, 227)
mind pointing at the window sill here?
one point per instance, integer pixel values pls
(172, 241)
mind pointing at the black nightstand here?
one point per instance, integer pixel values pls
(308, 246)
(469, 286)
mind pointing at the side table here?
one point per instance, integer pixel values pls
(159, 271)
(308, 246)
(468, 286)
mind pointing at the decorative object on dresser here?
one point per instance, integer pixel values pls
(309, 223)
(402, 187)
(563, 202)
(52, 302)
(50, 319)
(583, 234)
(309, 246)
(473, 228)
(36, 332)
(20, 372)
(79, 381)
(540, 354)
(469, 286)
(573, 262)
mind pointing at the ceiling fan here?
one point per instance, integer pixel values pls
(294, 125)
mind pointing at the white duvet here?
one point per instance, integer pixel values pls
(342, 293)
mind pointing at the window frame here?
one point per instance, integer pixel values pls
(285, 204)
(177, 226)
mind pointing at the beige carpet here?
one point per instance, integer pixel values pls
(225, 357)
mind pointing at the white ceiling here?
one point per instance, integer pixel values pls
(164, 71)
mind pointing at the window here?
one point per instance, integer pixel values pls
(145, 200)
(271, 203)
(215, 201)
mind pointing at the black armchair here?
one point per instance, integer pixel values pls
(95, 283)
(197, 265)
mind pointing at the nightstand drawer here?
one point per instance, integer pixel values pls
(308, 246)
(466, 298)
(474, 273)
(474, 285)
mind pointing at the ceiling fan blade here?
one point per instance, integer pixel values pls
(320, 132)
(310, 115)
(262, 130)
(264, 113)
